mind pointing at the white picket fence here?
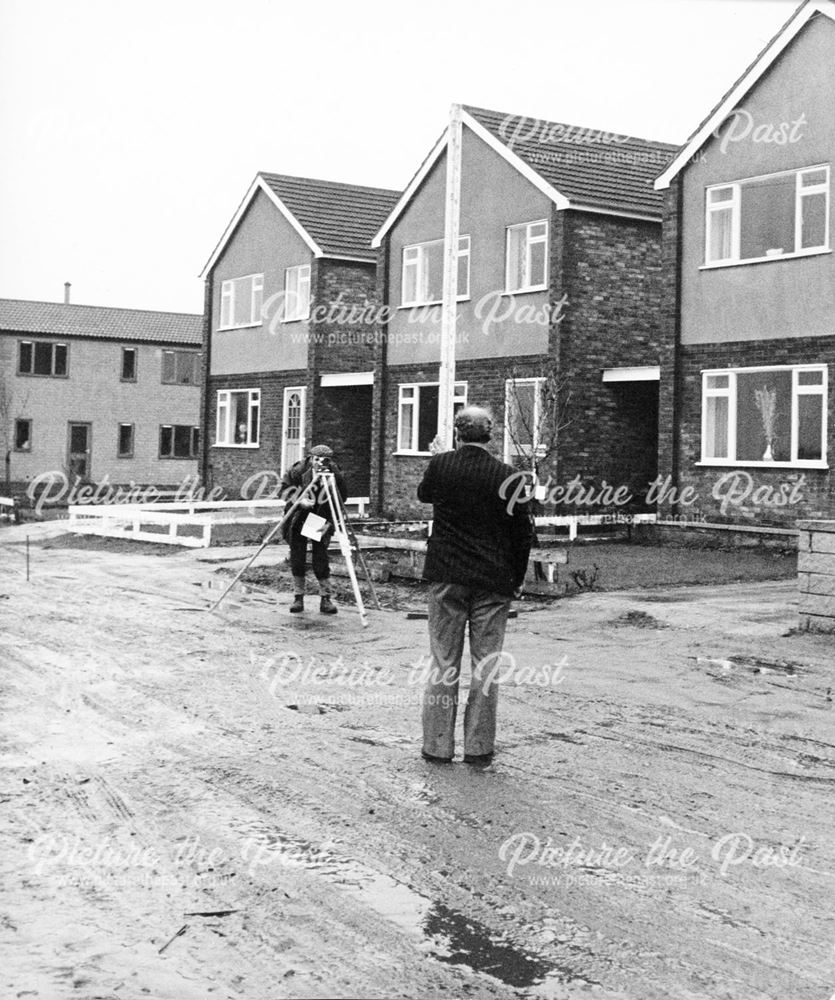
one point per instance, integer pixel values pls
(177, 522)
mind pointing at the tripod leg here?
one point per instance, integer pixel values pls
(352, 535)
(344, 544)
(264, 543)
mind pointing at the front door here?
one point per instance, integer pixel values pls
(292, 426)
(78, 457)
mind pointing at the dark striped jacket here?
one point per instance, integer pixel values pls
(475, 540)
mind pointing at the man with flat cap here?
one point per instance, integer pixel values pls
(297, 478)
(476, 559)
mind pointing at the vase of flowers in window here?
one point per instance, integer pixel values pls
(766, 400)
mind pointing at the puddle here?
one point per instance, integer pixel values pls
(442, 932)
(468, 942)
(755, 664)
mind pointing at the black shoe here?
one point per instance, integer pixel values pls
(326, 606)
(297, 605)
(479, 759)
(435, 760)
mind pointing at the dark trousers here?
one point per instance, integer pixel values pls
(319, 555)
(451, 608)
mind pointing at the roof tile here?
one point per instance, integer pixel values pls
(340, 218)
(60, 319)
(589, 166)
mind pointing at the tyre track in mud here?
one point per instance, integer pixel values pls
(204, 749)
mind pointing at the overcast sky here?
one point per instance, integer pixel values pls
(131, 131)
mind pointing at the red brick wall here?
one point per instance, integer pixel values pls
(817, 490)
(485, 387)
(612, 277)
(229, 468)
(343, 341)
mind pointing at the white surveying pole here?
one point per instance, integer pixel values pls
(449, 305)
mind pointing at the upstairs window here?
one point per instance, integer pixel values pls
(417, 423)
(180, 367)
(297, 293)
(763, 218)
(423, 272)
(128, 364)
(178, 441)
(765, 416)
(42, 357)
(240, 301)
(527, 257)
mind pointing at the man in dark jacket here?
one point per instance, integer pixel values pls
(295, 481)
(476, 560)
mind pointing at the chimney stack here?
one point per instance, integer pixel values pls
(67, 287)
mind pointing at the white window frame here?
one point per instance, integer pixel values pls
(802, 192)
(735, 204)
(408, 397)
(297, 307)
(288, 391)
(414, 257)
(530, 241)
(227, 301)
(719, 392)
(509, 446)
(224, 424)
(730, 392)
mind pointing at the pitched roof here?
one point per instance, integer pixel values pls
(576, 167)
(59, 319)
(340, 218)
(333, 219)
(590, 167)
(748, 79)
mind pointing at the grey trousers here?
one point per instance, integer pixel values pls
(451, 608)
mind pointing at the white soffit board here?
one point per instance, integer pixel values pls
(348, 378)
(649, 373)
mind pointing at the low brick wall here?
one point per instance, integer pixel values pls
(816, 574)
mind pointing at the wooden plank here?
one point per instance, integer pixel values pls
(117, 531)
(542, 589)
(406, 544)
(555, 556)
(815, 562)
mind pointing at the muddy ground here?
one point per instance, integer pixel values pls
(658, 821)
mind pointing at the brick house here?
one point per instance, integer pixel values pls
(559, 272)
(749, 305)
(99, 394)
(290, 307)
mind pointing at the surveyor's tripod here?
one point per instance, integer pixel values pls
(343, 533)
